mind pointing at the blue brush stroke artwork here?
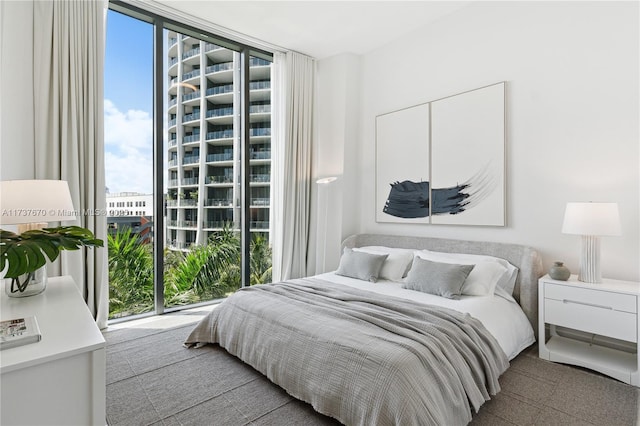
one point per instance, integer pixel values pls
(410, 200)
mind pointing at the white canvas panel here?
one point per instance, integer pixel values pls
(468, 148)
(402, 153)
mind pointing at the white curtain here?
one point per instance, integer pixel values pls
(292, 120)
(69, 42)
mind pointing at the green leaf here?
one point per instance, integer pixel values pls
(26, 252)
(50, 249)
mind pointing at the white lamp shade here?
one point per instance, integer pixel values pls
(591, 219)
(35, 201)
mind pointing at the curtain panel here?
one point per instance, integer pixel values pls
(69, 44)
(292, 123)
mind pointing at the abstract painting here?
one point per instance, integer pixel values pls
(442, 162)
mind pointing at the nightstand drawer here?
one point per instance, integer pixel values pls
(597, 298)
(591, 319)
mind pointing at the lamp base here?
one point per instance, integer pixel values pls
(590, 260)
(24, 227)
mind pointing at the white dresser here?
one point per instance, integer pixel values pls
(60, 380)
(608, 309)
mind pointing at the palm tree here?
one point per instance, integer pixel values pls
(260, 260)
(206, 272)
(211, 270)
(130, 274)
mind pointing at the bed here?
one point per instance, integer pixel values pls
(394, 348)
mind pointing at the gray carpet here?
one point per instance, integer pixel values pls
(153, 380)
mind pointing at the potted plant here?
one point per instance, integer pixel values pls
(25, 254)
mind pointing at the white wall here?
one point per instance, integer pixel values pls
(16, 91)
(335, 154)
(572, 116)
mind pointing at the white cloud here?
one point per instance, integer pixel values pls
(128, 138)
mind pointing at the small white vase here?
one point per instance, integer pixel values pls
(27, 284)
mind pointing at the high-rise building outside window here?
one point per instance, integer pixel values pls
(204, 141)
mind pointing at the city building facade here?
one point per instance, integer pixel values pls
(131, 210)
(203, 141)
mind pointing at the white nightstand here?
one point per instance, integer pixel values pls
(61, 379)
(608, 309)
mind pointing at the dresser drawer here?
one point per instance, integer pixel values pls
(597, 298)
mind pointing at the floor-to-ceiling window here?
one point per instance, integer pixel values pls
(200, 189)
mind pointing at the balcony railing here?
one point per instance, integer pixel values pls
(178, 245)
(257, 224)
(219, 179)
(172, 122)
(219, 112)
(191, 159)
(220, 134)
(183, 223)
(173, 101)
(258, 62)
(173, 162)
(172, 41)
(190, 74)
(259, 178)
(191, 52)
(219, 90)
(173, 61)
(191, 117)
(227, 156)
(190, 181)
(260, 131)
(215, 224)
(173, 142)
(191, 138)
(259, 85)
(260, 201)
(188, 202)
(224, 66)
(260, 155)
(213, 202)
(259, 109)
(172, 203)
(192, 95)
(173, 182)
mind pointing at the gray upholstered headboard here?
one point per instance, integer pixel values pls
(525, 258)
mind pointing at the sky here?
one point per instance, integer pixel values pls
(128, 105)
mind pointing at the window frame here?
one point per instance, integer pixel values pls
(160, 23)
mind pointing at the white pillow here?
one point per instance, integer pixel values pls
(489, 272)
(397, 263)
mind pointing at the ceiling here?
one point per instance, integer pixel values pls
(319, 28)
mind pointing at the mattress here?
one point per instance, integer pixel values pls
(502, 317)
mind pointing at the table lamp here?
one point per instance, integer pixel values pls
(32, 204)
(591, 221)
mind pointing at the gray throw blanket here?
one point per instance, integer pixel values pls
(357, 356)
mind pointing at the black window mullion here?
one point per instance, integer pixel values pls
(158, 166)
(245, 217)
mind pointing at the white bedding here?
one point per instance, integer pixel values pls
(504, 319)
